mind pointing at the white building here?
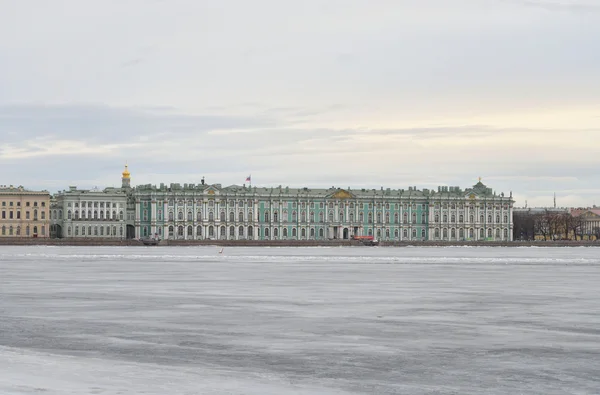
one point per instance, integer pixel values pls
(93, 213)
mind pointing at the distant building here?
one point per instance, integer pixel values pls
(93, 213)
(24, 213)
(244, 212)
(589, 221)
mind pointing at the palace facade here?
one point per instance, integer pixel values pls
(250, 213)
(24, 213)
(94, 213)
(203, 211)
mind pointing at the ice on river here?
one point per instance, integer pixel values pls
(154, 320)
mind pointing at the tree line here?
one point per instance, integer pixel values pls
(552, 225)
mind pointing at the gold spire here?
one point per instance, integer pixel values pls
(479, 179)
(126, 173)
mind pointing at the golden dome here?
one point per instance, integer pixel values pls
(126, 173)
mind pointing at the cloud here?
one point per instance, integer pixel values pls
(341, 92)
(87, 146)
(555, 5)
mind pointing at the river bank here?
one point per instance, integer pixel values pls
(292, 243)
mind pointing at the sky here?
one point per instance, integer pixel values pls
(318, 93)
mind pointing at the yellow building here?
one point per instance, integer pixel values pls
(24, 213)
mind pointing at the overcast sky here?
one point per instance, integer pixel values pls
(359, 93)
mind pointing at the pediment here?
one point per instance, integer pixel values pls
(341, 194)
(211, 191)
(589, 214)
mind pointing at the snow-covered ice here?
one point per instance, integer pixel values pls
(106, 320)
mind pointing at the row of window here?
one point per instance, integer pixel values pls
(29, 231)
(94, 204)
(90, 215)
(18, 204)
(17, 215)
(471, 218)
(95, 231)
(471, 233)
(331, 205)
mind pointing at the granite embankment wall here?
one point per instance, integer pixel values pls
(291, 243)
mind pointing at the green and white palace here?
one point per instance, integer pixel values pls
(202, 211)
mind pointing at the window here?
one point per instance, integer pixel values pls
(489, 218)
(294, 216)
(222, 234)
(437, 233)
(199, 216)
(453, 233)
(121, 215)
(190, 231)
(471, 233)
(180, 216)
(387, 233)
(505, 233)
(27, 230)
(396, 218)
(266, 232)
(222, 217)
(231, 216)
(171, 231)
(89, 230)
(294, 233)
(211, 231)
(231, 231)
(190, 216)
(250, 218)
(303, 219)
(312, 233)
(321, 232)
(250, 231)
(83, 230)
(321, 217)
(498, 220)
(351, 217)
(180, 231)
(405, 233)
(303, 233)
(445, 233)
(414, 218)
(506, 219)
(102, 231)
(461, 233)
(341, 216)
(497, 233)
(241, 216)
(43, 227)
(266, 216)
(211, 216)
(489, 232)
(27, 215)
(481, 219)
(199, 231)
(445, 218)
(370, 218)
(330, 217)
(241, 231)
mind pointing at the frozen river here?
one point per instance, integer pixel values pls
(153, 320)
